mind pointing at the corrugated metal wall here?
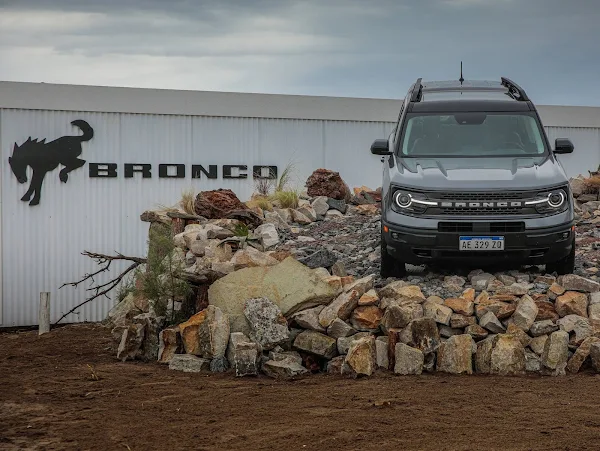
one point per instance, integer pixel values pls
(42, 245)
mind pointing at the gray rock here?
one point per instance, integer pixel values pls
(476, 332)
(308, 211)
(408, 360)
(455, 355)
(424, 335)
(537, 344)
(189, 363)
(338, 205)
(595, 298)
(219, 365)
(481, 281)
(458, 321)
(581, 354)
(595, 356)
(268, 235)
(309, 319)
(525, 314)
(343, 343)
(339, 329)
(594, 312)
(543, 328)
(131, 342)
(506, 279)
(578, 324)
(556, 353)
(322, 258)
(446, 332)
(338, 269)
(572, 282)
(532, 362)
(341, 307)
(316, 343)
(508, 356)
(483, 356)
(381, 352)
(516, 289)
(335, 365)
(399, 316)
(453, 283)
(123, 312)
(283, 369)
(268, 327)
(151, 341)
(320, 206)
(333, 214)
(244, 356)
(491, 323)
(439, 313)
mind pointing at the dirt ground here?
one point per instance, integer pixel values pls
(49, 399)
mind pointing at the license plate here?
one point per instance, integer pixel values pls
(481, 243)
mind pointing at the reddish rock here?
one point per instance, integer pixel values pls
(367, 210)
(572, 303)
(460, 305)
(366, 318)
(546, 310)
(324, 182)
(217, 204)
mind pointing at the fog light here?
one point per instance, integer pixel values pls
(394, 235)
(565, 235)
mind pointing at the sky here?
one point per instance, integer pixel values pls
(347, 48)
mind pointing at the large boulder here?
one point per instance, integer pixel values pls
(572, 303)
(556, 353)
(507, 356)
(408, 360)
(217, 203)
(455, 355)
(244, 356)
(572, 282)
(324, 182)
(525, 313)
(361, 357)
(317, 344)
(170, 344)
(291, 285)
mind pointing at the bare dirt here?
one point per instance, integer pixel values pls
(49, 400)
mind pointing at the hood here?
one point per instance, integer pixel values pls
(479, 173)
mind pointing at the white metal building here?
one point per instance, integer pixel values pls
(135, 131)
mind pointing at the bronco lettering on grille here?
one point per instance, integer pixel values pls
(501, 204)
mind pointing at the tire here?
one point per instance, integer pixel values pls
(565, 265)
(390, 267)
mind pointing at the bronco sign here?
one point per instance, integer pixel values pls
(43, 157)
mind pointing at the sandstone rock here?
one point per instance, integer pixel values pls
(343, 343)
(316, 343)
(268, 235)
(123, 312)
(213, 334)
(366, 318)
(391, 289)
(338, 329)
(268, 327)
(300, 218)
(582, 353)
(244, 356)
(408, 360)
(170, 344)
(189, 333)
(215, 233)
(151, 341)
(289, 284)
(595, 356)
(516, 289)
(491, 323)
(283, 369)
(217, 203)
(476, 331)
(447, 332)
(595, 298)
(555, 290)
(436, 300)
(338, 269)
(483, 356)
(335, 365)
(578, 324)
(495, 284)
(189, 363)
(327, 183)
(481, 281)
(439, 313)
(556, 352)
(508, 356)
(572, 303)
(273, 217)
(537, 344)
(506, 279)
(424, 335)
(546, 311)
(309, 319)
(361, 286)
(341, 307)
(525, 314)
(251, 258)
(131, 342)
(594, 312)
(461, 306)
(533, 363)
(361, 356)
(453, 283)
(399, 316)
(543, 328)
(577, 185)
(223, 267)
(461, 321)
(279, 354)
(455, 355)
(369, 298)
(333, 214)
(381, 352)
(501, 310)
(482, 298)
(513, 329)
(572, 282)
(320, 206)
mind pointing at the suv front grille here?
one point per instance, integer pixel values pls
(481, 198)
(492, 227)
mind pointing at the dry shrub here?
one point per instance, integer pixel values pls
(261, 202)
(187, 201)
(286, 199)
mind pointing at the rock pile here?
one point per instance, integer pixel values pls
(300, 293)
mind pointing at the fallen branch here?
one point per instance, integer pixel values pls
(105, 288)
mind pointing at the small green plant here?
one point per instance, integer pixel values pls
(286, 199)
(241, 230)
(126, 287)
(285, 177)
(159, 283)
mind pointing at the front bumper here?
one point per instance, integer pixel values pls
(528, 246)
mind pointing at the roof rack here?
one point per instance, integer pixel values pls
(514, 88)
(416, 92)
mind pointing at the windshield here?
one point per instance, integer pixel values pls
(472, 135)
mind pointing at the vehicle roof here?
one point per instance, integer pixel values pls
(471, 95)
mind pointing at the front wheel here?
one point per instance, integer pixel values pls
(390, 267)
(565, 265)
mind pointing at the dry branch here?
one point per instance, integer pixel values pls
(102, 289)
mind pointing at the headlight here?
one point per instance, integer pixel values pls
(550, 202)
(410, 202)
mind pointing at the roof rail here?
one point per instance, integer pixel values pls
(514, 88)
(416, 92)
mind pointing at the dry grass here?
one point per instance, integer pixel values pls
(285, 177)
(187, 201)
(286, 199)
(261, 202)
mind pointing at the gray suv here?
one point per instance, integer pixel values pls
(469, 176)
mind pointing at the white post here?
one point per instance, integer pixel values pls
(44, 313)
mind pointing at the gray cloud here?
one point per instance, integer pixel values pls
(338, 47)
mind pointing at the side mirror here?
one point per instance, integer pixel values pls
(563, 145)
(380, 147)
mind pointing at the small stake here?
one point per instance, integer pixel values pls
(44, 313)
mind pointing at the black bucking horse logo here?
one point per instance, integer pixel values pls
(43, 157)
